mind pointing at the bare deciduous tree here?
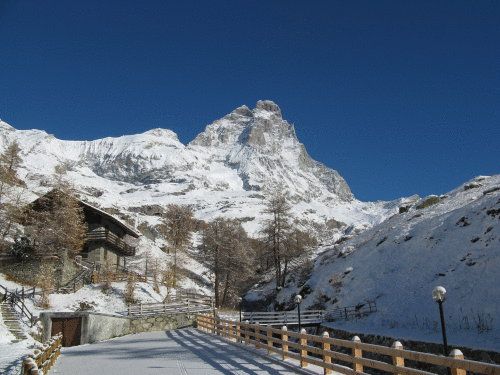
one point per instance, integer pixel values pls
(275, 230)
(129, 294)
(177, 228)
(281, 238)
(225, 252)
(45, 280)
(10, 197)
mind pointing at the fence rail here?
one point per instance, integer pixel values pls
(111, 238)
(43, 359)
(310, 316)
(172, 307)
(17, 302)
(284, 317)
(318, 350)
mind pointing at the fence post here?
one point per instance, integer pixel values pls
(357, 353)
(214, 328)
(303, 351)
(326, 358)
(397, 360)
(238, 332)
(457, 354)
(284, 339)
(140, 309)
(257, 332)
(269, 335)
(247, 333)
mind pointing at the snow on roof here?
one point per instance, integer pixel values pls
(122, 224)
(133, 232)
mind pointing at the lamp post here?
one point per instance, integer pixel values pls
(438, 295)
(298, 300)
(240, 300)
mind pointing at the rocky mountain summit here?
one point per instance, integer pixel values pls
(224, 171)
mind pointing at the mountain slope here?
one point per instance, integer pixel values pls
(223, 171)
(452, 240)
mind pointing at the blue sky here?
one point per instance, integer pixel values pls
(400, 97)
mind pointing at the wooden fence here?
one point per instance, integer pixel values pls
(43, 359)
(194, 305)
(17, 302)
(318, 350)
(310, 316)
(284, 317)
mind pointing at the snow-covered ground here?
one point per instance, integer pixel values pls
(454, 243)
(179, 352)
(89, 297)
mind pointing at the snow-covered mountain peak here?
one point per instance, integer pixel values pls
(268, 106)
(5, 127)
(163, 133)
(223, 171)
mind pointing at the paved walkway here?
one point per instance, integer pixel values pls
(184, 351)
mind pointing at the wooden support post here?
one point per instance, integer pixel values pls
(457, 354)
(284, 339)
(269, 335)
(357, 353)
(398, 360)
(140, 309)
(303, 351)
(238, 331)
(247, 332)
(257, 332)
(326, 358)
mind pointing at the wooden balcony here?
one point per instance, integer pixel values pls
(111, 239)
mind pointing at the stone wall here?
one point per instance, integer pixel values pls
(98, 326)
(160, 323)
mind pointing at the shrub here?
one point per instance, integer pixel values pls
(429, 201)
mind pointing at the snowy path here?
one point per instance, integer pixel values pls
(185, 351)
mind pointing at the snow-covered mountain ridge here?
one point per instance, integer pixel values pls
(452, 240)
(223, 171)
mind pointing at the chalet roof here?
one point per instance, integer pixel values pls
(131, 231)
(127, 228)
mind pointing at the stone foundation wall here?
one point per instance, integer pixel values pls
(98, 327)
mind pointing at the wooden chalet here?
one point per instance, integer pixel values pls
(108, 240)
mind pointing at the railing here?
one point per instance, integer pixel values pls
(43, 359)
(117, 276)
(172, 307)
(111, 238)
(284, 317)
(317, 350)
(81, 279)
(310, 316)
(17, 302)
(358, 311)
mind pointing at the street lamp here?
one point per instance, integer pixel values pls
(240, 300)
(298, 300)
(438, 295)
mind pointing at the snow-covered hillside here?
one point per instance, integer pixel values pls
(452, 240)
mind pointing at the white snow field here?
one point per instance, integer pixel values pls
(177, 352)
(453, 242)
